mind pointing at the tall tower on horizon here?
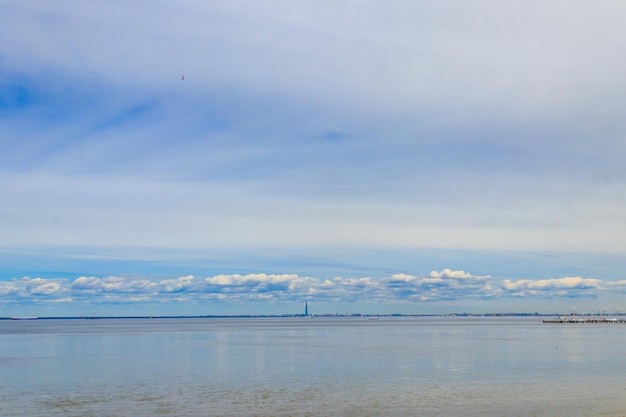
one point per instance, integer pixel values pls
(306, 309)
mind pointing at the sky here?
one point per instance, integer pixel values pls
(211, 157)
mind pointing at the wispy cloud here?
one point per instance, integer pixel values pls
(411, 125)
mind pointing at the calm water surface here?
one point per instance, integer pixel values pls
(311, 367)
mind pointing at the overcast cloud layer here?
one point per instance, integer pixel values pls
(361, 127)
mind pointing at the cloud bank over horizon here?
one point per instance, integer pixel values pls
(258, 289)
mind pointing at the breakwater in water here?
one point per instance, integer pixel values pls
(578, 320)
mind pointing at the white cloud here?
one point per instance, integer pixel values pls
(112, 284)
(39, 286)
(448, 273)
(177, 285)
(556, 287)
(7, 288)
(46, 288)
(90, 284)
(28, 288)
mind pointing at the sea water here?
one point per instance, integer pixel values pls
(394, 366)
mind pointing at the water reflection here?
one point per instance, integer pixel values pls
(301, 366)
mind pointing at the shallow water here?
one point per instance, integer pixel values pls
(311, 367)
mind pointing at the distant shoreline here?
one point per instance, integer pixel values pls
(355, 315)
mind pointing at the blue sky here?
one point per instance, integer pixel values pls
(412, 157)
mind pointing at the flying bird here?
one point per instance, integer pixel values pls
(182, 78)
